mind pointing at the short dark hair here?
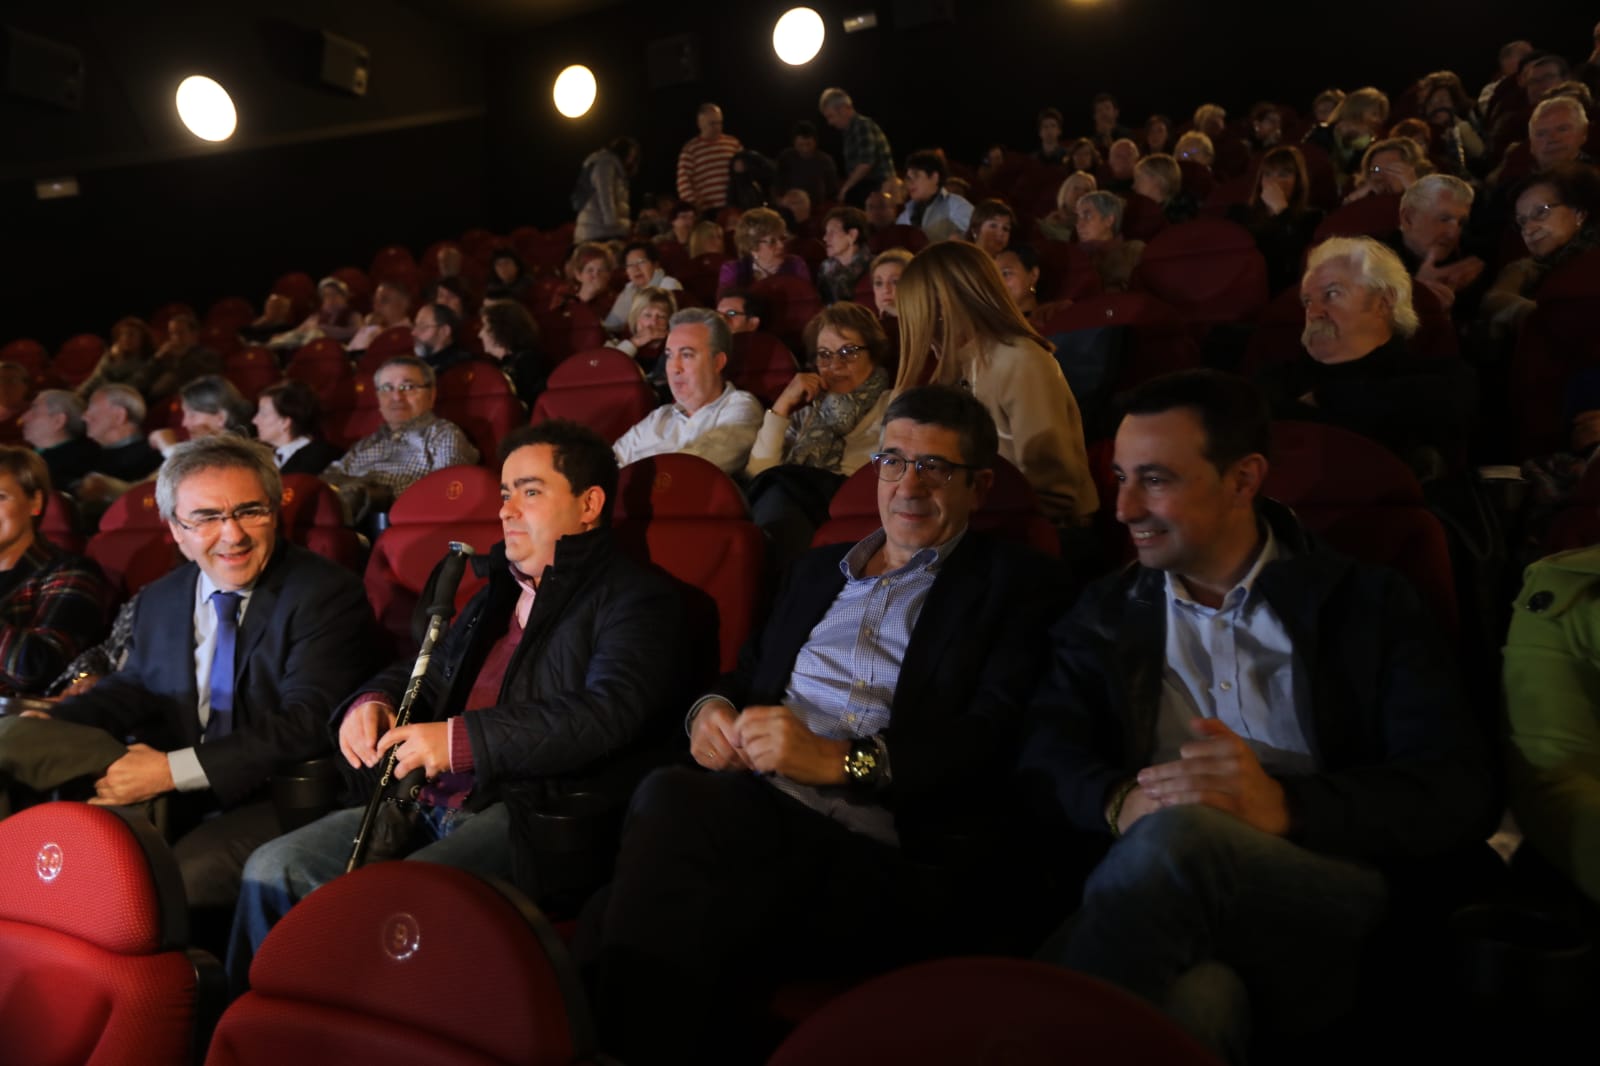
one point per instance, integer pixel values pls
(29, 469)
(454, 284)
(850, 218)
(929, 161)
(445, 315)
(755, 305)
(651, 252)
(954, 409)
(1052, 113)
(1232, 411)
(1102, 97)
(803, 128)
(296, 402)
(1578, 186)
(581, 456)
(511, 325)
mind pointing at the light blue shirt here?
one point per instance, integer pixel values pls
(187, 774)
(947, 215)
(1235, 663)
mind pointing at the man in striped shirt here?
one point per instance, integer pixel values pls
(703, 163)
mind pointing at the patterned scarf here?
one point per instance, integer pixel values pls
(1581, 242)
(831, 417)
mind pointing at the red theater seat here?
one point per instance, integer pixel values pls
(760, 364)
(231, 311)
(77, 358)
(456, 503)
(602, 389)
(687, 517)
(161, 315)
(1209, 270)
(573, 328)
(360, 287)
(409, 962)
(27, 353)
(792, 303)
(301, 291)
(973, 1010)
(1370, 216)
(252, 369)
(92, 926)
(476, 396)
(323, 365)
(911, 238)
(1158, 340)
(60, 524)
(134, 546)
(313, 518)
(1065, 272)
(394, 263)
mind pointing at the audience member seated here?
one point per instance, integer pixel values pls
(1051, 148)
(1083, 157)
(210, 405)
(1062, 223)
(1324, 106)
(1358, 371)
(1444, 104)
(127, 362)
(53, 425)
(1121, 158)
(844, 237)
(886, 270)
(1158, 178)
(642, 262)
(801, 166)
(959, 326)
(796, 203)
(742, 309)
(1100, 233)
(334, 318)
(846, 765)
(1195, 147)
(1358, 119)
(1557, 133)
(602, 191)
(510, 336)
(411, 443)
(1279, 216)
(450, 291)
(822, 428)
(1433, 216)
(277, 315)
(507, 278)
(706, 239)
(1156, 136)
(391, 306)
(52, 605)
(286, 420)
(1551, 674)
(1389, 167)
(1538, 75)
(760, 237)
(1266, 127)
(1252, 799)
(237, 661)
(563, 665)
(114, 419)
(436, 337)
(647, 328)
(1019, 270)
(1107, 131)
(940, 213)
(991, 226)
(181, 359)
(1558, 214)
(708, 417)
(1209, 121)
(588, 271)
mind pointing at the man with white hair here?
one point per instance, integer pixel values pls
(1433, 213)
(1557, 132)
(1358, 371)
(53, 425)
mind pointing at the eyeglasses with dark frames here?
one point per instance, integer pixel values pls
(930, 468)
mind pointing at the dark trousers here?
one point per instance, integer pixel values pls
(725, 886)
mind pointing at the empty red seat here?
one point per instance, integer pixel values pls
(476, 396)
(602, 389)
(1011, 511)
(394, 262)
(28, 353)
(133, 546)
(689, 518)
(322, 364)
(252, 369)
(1370, 216)
(301, 290)
(1208, 269)
(313, 518)
(77, 358)
(572, 328)
(231, 311)
(760, 364)
(224, 340)
(409, 962)
(93, 924)
(792, 302)
(456, 503)
(60, 523)
(911, 238)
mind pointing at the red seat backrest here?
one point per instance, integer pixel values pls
(476, 396)
(252, 369)
(77, 358)
(313, 518)
(760, 364)
(911, 238)
(337, 979)
(234, 311)
(27, 353)
(1065, 272)
(1159, 341)
(161, 315)
(360, 287)
(601, 388)
(456, 503)
(301, 291)
(1370, 216)
(59, 523)
(686, 516)
(322, 364)
(792, 301)
(1142, 217)
(134, 546)
(1208, 269)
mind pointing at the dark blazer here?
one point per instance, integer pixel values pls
(968, 672)
(307, 640)
(313, 458)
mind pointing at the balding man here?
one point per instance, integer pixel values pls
(1433, 213)
(868, 158)
(703, 162)
(1358, 372)
(1557, 132)
(114, 420)
(53, 425)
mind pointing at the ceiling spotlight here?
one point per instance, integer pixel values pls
(798, 35)
(575, 91)
(206, 108)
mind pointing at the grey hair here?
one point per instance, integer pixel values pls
(721, 335)
(429, 378)
(1426, 191)
(1107, 205)
(223, 451)
(1379, 271)
(833, 97)
(126, 397)
(65, 402)
(1550, 104)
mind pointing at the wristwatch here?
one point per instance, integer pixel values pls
(866, 763)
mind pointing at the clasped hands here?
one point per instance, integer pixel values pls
(1216, 769)
(368, 730)
(768, 740)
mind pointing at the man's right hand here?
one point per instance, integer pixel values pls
(712, 735)
(359, 732)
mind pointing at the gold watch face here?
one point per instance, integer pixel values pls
(861, 763)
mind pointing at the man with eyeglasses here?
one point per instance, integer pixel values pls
(865, 732)
(236, 661)
(641, 261)
(412, 442)
(435, 337)
(742, 308)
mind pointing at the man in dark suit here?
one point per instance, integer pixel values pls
(867, 729)
(236, 662)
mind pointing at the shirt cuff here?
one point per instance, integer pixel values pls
(688, 719)
(460, 747)
(187, 774)
(371, 697)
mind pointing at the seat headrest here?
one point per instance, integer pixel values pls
(462, 492)
(675, 485)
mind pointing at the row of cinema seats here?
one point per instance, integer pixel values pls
(413, 962)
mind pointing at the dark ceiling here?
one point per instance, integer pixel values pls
(511, 14)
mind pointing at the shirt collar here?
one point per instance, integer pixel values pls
(930, 559)
(422, 421)
(1178, 592)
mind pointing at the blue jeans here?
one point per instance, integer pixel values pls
(1216, 922)
(284, 871)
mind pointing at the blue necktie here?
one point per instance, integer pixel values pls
(220, 724)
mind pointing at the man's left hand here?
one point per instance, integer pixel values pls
(425, 744)
(774, 741)
(140, 775)
(1219, 770)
